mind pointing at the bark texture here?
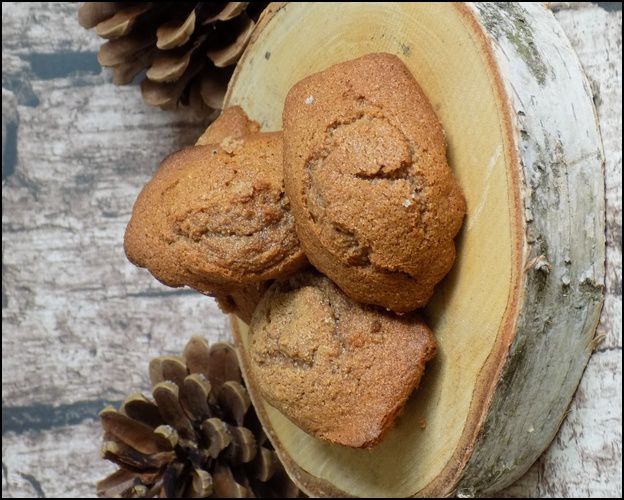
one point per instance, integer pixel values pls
(562, 194)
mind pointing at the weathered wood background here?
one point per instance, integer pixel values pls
(79, 323)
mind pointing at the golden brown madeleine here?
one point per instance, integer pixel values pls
(216, 220)
(376, 205)
(340, 370)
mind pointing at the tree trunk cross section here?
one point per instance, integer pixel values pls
(80, 323)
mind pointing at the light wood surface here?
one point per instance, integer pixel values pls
(80, 323)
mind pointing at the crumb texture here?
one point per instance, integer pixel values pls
(216, 218)
(339, 370)
(375, 202)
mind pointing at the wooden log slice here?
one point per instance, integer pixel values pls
(516, 317)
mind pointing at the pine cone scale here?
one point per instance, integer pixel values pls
(230, 11)
(116, 483)
(201, 484)
(212, 88)
(186, 48)
(172, 34)
(234, 397)
(197, 356)
(228, 55)
(169, 67)
(166, 95)
(139, 408)
(125, 72)
(91, 14)
(164, 368)
(133, 460)
(115, 52)
(128, 431)
(121, 23)
(167, 396)
(226, 487)
(196, 393)
(199, 437)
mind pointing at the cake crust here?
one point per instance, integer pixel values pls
(339, 370)
(375, 203)
(216, 218)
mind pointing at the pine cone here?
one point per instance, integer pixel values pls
(188, 48)
(199, 437)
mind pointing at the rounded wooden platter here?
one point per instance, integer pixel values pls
(516, 316)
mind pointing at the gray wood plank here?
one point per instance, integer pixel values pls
(44, 27)
(60, 463)
(74, 307)
(580, 462)
(80, 323)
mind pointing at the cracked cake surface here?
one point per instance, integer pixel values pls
(216, 218)
(341, 371)
(376, 205)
